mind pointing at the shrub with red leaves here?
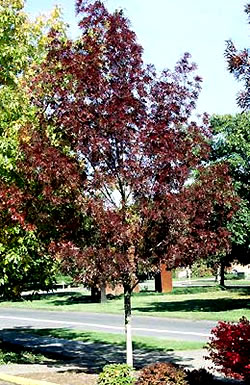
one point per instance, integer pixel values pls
(229, 349)
(162, 373)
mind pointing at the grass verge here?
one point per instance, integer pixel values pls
(10, 354)
(195, 303)
(143, 343)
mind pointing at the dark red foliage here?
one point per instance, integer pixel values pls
(162, 373)
(239, 65)
(12, 206)
(229, 348)
(117, 169)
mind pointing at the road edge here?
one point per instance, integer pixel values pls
(23, 380)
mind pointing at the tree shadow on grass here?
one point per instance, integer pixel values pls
(71, 334)
(196, 305)
(68, 298)
(57, 299)
(73, 300)
(88, 356)
(79, 299)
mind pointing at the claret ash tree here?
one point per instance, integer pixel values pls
(118, 161)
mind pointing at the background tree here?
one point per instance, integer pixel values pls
(23, 46)
(239, 65)
(231, 143)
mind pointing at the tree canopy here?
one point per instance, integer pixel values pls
(108, 166)
(231, 143)
(23, 47)
(239, 65)
(114, 174)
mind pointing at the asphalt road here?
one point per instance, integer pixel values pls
(141, 326)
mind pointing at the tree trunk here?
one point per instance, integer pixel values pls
(158, 285)
(127, 313)
(95, 294)
(222, 274)
(217, 274)
(103, 294)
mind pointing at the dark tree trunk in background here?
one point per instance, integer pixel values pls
(99, 295)
(222, 274)
(95, 294)
(158, 286)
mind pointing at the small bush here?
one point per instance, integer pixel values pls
(162, 373)
(229, 349)
(10, 354)
(116, 374)
(199, 377)
(201, 270)
(231, 276)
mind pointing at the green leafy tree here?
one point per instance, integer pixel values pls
(23, 47)
(231, 143)
(24, 264)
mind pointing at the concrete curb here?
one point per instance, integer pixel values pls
(23, 381)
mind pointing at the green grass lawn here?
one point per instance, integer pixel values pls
(143, 343)
(195, 303)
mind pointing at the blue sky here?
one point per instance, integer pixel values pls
(168, 28)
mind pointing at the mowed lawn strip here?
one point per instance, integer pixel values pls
(143, 343)
(196, 303)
